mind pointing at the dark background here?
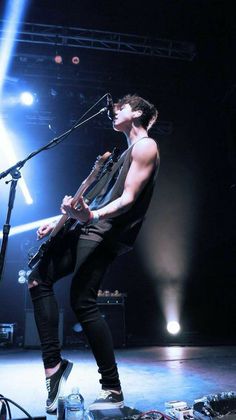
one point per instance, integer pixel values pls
(187, 244)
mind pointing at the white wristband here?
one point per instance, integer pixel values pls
(95, 217)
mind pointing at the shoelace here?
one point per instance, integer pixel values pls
(48, 384)
(104, 394)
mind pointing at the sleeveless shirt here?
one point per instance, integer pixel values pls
(121, 231)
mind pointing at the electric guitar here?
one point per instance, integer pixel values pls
(103, 165)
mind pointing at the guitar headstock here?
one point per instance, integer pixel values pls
(104, 164)
(107, 166)
(99, 163)
(101, 160)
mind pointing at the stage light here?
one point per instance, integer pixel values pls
(13, 17)
(29, 226)
(22, 277)
(173, 327)
(58, 59)
(24, 98)
(22, 273)
(53, 92)
(77, 327)
(167, 242)
(27, 98)
(75, 60)
(7, 151)
(21, 280)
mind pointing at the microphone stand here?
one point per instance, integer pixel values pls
(14, 171)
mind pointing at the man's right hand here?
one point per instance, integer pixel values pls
(44, 230)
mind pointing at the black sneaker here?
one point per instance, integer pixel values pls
(55, 385)
(107, 399)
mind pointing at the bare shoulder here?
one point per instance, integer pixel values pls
(146, 149)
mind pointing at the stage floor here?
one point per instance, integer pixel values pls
(150, 376)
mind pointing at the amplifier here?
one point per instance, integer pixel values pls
(112, 308)
(6, 334)
(111, 298)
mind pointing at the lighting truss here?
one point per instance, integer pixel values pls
(44, 118)
(33, 33)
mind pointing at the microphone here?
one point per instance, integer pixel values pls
(110, 107)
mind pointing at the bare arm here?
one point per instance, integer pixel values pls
(144, 160)
(144, 157)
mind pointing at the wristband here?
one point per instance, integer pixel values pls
(94, 217)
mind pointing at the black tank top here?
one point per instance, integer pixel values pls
(121, 231)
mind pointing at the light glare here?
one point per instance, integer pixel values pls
(173, 327)
(13, 17)
(7, 149)
(21, 280)
(27, 98)
(30, 226)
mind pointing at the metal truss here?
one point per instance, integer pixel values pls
(60, 36)
(45, 118)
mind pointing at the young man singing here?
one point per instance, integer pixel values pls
(107, 227)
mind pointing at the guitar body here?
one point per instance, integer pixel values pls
(37, 257)
(48, 244)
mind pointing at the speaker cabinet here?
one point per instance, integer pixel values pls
(31, 337)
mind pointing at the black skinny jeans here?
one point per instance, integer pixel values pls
(88, 261)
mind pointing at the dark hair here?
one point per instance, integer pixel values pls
(149, 111)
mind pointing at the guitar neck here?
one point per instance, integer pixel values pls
(59, 225)
(82, 188)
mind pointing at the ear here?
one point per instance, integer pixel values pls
(137, 113)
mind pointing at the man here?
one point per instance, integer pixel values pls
(106, 228)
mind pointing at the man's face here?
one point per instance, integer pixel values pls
(123, 117)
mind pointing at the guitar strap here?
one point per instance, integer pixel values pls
(94, 191)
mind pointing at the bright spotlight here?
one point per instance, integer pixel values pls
(15, 230)
(173, 327)
(23, 276)
(26, 98)
(22, 273)
(13, 16)
(21, 280)
(8, 155)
